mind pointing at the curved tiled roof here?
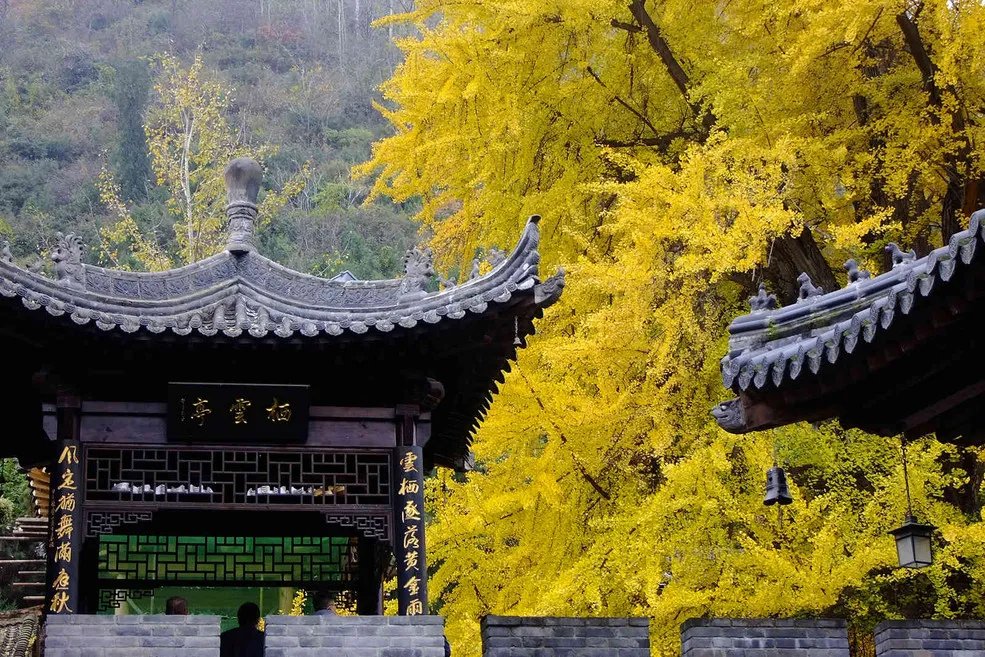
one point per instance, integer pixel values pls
(18, 632)
(769, 347)
(239, 292)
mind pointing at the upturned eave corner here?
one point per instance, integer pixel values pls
(773, 349)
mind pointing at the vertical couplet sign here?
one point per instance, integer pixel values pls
(65, 532)
(408, 512)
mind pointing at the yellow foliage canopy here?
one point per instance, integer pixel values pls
(671, 147)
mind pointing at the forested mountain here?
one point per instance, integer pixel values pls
(83, 85)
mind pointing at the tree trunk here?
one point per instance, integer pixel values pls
(341, 5)
(791, 256)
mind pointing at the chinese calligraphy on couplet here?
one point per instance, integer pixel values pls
(64, 530)
(409, 511)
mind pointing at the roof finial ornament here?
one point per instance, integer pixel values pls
(243, 177)
(854, 273)
(492, 257)
(67, 256)
(762, 301)
(418, 270)
(495, 257)
(807, 288)
(899, 256)
(5, 254)
(730, 415)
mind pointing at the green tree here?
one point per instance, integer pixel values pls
(131, 86)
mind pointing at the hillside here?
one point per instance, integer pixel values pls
(77, 85)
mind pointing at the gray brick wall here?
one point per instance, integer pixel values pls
(930, 638)
(83, 635)
(355, 636)
(738, 637)
(523, 636)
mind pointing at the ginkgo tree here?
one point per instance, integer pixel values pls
(190, 142)
(681, 152)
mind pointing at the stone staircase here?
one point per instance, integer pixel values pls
(27, 539)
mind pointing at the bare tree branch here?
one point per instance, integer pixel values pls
(622, 102)
(677, 73)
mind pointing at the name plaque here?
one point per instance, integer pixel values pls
(237, 413)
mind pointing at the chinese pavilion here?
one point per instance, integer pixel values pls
(233, 422)
(897, 353)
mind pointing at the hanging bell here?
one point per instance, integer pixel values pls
(776, 487)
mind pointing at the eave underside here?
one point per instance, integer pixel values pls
(467, 356)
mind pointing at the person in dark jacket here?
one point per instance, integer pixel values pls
(245, 640)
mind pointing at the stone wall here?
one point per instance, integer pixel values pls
(930, 638)
(83, 635)
(522, 636)
(738, 637)
(355, 636)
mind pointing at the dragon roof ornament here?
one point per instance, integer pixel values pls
(240, 292)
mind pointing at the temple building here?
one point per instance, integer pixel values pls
(897, 353)
(236, 423)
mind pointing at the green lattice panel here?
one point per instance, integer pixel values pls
(224, 560)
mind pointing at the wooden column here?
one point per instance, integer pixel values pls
(65, 518)
(408, 517)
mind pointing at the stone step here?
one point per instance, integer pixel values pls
(20, 539)
(22, 562)
(33, 598)
(27, 585)
(23, 573)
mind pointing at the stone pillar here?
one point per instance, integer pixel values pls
(65, 528)
(930, 638)
(764, 637)
(524, 636)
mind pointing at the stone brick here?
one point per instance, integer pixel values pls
(758, 637)
(355, 636)
(930, 638)
(519, 636)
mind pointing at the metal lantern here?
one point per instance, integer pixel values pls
(777, 491)
(913, 540)
(913, 543)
